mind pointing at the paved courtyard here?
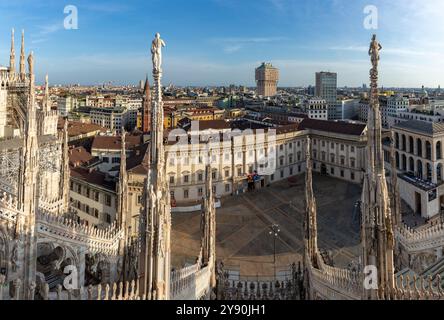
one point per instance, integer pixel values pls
(243, 225)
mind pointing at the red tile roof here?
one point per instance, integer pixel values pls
(94, 177)
(114, 142)
(76, 128)
(79, 156)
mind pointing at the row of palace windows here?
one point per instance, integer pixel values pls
(409, 166)
(333, 158)
(333, 145)
(200, 191)
(227, 156)
(89, 210)
(91, 194)
(408, 145)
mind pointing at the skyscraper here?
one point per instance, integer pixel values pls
(326, 88)
(267, 78)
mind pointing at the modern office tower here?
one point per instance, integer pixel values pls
(326, 88)
(267, 78)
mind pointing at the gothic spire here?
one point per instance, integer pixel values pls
(208, 225)
(29, 186)
(396, 199)
(155, 220)
(123, 183)
(22, 58)
(376, 228)
(12, 56)
(310, 221)
(65, 169)
(46, 99)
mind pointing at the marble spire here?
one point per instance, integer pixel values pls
(395, 194)
(22, 58)
(208, 225)
(376, 227)
(12, 55)
(310, 221)
(155, 220)
(46, 98)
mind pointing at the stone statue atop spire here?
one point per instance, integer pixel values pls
(31, 62)
(373, 52)
(156, 51)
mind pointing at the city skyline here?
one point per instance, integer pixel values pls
(222, 42)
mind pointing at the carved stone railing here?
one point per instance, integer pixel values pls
(421, 240)
(334, 283)
(259, 290)
(114, 291)
(13, 78)
(183, 283)
(339, 284)
(51, 206)
(9, 215)
(95, 240)
(8, 207)
(203, 278)
(253, 289)
(418, 288)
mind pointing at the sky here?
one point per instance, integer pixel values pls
(221, 42)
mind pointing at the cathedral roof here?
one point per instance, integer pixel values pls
(421, 126)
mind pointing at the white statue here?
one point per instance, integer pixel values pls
(156, 51)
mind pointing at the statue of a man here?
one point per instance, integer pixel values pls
(156, 51)
(373, 51)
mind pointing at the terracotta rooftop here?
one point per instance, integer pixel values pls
(138, 162)
(76, 128)
(213, 124)
(79, 156)
(333, 126)
(114, 142)
(94, 177)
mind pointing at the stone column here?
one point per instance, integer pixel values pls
(434, 176)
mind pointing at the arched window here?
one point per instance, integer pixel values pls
(411, 145)
(429, 172)
(428, 150)
(404, 162)
(439, 172)
(404, 143)
(419, 169)
(438, 150)
(397, 140)
(411, 165)
(397, 160)
(419, 147)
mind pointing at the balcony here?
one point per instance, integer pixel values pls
(417, 182)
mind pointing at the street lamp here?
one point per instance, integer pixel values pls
(274, 232)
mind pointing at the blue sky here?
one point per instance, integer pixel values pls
(219, 42)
